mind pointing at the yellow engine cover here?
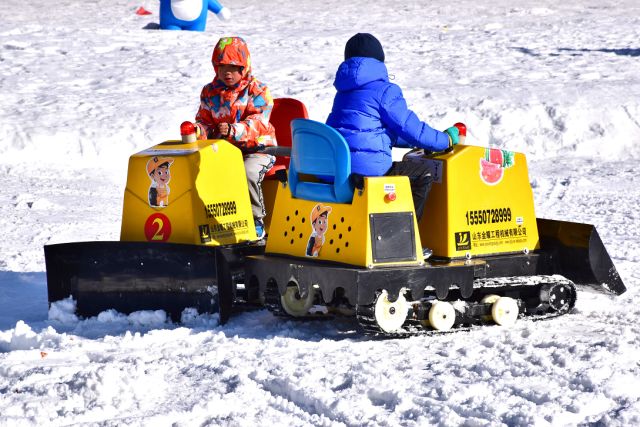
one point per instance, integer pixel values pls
(480, 203)
(371, 231)
(192, 193)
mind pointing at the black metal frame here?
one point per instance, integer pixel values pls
(132, 276)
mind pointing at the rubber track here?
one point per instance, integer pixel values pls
(273, 304)
(366, 317)
(272, 301)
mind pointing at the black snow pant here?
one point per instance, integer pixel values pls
(419, 178)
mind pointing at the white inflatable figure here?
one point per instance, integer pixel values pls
(189, 14)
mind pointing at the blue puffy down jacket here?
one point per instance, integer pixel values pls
(372, 115)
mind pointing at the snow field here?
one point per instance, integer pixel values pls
(84, 86)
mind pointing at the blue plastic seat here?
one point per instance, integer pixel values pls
(319, 150)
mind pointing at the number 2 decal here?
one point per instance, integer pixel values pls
(157, 228)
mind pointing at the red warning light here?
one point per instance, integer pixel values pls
(462, 128)
(187, 128)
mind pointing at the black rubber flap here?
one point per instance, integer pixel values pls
(132, 276)
(580, 254)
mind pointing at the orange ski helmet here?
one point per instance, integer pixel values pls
(232, 51)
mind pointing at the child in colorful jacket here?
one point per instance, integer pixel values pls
(372, 115)
(236, 106)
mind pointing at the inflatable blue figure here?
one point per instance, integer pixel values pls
(189, 14)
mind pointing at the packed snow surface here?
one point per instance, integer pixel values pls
(85, 84)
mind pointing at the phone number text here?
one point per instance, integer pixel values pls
(488, 216)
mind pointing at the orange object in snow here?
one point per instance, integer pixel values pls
(142, 11)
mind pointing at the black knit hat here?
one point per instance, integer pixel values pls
(364, 44)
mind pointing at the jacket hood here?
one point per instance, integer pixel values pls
(234, 51)
(358, 71)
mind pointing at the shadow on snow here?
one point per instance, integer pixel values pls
(633, 52)
(23, 296)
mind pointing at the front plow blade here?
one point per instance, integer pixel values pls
(579, 254)
(133, 276)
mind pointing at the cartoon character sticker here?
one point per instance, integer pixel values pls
(319, 224)
(158, 171)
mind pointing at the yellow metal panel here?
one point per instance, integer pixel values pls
(269, 189)
(338, 232)
(200, 195)
(480, 203)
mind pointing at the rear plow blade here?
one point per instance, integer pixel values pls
(133, 276)
(579, 254)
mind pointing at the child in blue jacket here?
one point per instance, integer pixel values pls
(372, 115)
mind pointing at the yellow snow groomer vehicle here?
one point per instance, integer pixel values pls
(338, 244)
(186, 227)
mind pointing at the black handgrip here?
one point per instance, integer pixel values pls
(276, 151)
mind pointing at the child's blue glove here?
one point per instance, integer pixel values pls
(454, 135)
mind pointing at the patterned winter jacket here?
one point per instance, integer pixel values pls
(372, 115)
(247, 105)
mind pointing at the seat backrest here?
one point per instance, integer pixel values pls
(285, 110)
(319, 150)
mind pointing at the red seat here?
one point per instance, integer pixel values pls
(285, 110)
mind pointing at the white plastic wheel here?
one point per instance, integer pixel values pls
(390, 315)
(489, 299)
(505, 311)
(293, 304)
(442, 316)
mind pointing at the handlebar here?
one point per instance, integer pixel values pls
(276, 151)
